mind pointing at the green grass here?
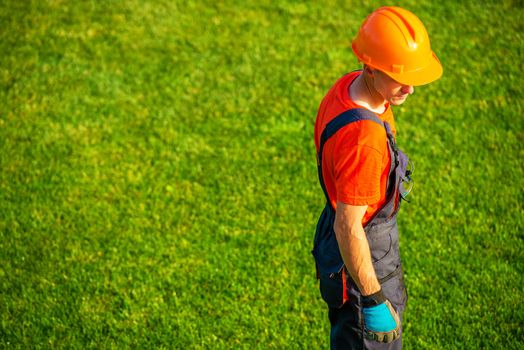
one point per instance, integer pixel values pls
(158, 185)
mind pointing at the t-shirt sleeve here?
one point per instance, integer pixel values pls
(357, 169)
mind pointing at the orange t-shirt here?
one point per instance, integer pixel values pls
(356, 159)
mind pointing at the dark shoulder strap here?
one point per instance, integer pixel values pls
(337, 123)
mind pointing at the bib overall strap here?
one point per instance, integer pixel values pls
(392, 142)
(337, 123)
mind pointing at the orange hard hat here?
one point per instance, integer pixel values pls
(394, 41)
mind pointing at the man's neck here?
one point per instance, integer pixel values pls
(364, 94)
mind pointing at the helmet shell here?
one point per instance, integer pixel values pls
(394, 41)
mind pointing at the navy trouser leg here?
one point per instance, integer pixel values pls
(347, 331)
(347, 326)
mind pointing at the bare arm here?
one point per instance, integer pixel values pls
(354, 247)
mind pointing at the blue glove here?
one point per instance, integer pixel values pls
(382, 322)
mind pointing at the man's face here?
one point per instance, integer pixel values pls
(392, 91)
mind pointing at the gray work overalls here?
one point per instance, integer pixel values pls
(336, 286)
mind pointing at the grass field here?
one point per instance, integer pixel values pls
(158, 187)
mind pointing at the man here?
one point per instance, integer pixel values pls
(364, 176)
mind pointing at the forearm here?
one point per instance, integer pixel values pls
(355, 252)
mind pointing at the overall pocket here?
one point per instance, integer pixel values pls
(395, 290)
(333, 288)
(383, 244)
(379, 245)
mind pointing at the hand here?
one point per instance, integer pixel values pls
(382, 322)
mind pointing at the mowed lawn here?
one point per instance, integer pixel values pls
(158, 185)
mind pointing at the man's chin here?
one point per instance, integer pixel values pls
(397, 101)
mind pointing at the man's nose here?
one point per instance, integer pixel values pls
(408, 89)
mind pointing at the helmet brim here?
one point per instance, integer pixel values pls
(423, 76)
